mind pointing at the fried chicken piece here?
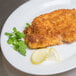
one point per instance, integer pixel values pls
(53, 28)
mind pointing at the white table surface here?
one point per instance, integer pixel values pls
(6, 7)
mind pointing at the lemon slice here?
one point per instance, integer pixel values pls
(39, 56)
(53, 55)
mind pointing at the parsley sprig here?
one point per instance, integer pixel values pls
(15, 39)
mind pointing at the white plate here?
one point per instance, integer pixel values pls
(26, 13)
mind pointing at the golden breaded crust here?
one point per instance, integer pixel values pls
(53, 28)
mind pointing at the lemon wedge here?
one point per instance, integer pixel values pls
(39, 56)
(53, 55)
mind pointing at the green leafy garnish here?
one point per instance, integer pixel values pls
(20, 47)
(14, 29)
(9, 34)
(15, 39)
(27, 25)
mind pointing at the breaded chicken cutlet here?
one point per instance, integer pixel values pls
(53, 28)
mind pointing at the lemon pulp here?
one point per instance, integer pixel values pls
(53, 55)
